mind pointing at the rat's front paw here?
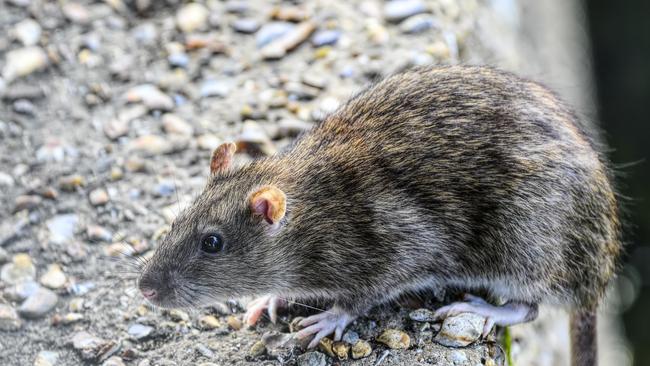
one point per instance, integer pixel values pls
(256, 308)
(325, 323)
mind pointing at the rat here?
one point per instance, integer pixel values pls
(435, 177)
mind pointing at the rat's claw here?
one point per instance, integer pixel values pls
(323, 324)
(256, 308)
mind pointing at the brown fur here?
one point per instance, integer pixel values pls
(446, 176)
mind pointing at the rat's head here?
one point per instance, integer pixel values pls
(223, 245)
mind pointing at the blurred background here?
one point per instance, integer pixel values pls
(620, 42)
(109, 111)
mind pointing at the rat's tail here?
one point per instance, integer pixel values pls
(584, 348)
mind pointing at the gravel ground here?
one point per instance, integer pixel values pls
(108, 116)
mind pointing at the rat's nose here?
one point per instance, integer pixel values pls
(148, 293)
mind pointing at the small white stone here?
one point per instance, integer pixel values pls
(23, 61)
(192, 17)
(28, 32)
(54, 278)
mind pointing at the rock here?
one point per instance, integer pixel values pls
(253, 139)
(325, 37)
(71, 182)
(22, 290)
(258, 349)
(27, 32)
(52, 151)
(289, 13)
(151, 145)
(62, 228)
(361, 349)
(458, 357)
(174, 124)
(422, 315)
(418, 23)
(115, 128)
(279, 344)
(76, 305)
(22, 62)
(113, 361)
(20, 269)
(26, 202)
(209, 322)
(178, 59)
(6, 180)
(460, 330)
(46, 358)
(246, 25)
(38, 304)
(71, 318)
(234, 322)
(192, 17)
(139, 331)
(9, 319)
(326, 345)
(54, 278)
(92, 347)
(341, 350)
(98, 233)
(272, 31)
(397, 10)
(215, 88)
(24, 106)
(288, 42)
(76, 13)
(178, 315)
(312, 359)
(4, 256)
(98, 197)
(395, 339)
(377, 33)
(150, 96)
(350, 337)
(204, 351)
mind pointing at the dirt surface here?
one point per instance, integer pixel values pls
(107, 123)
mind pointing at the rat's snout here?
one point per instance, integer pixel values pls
(148, 293)
(156, 287)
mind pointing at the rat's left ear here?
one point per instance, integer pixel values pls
(270, 203)
(222, 157)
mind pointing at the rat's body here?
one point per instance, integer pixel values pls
(436, 177)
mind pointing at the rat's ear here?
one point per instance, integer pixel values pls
(222, 157)
(270, 203)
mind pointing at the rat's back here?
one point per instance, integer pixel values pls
(497, 169)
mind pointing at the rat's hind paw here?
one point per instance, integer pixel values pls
(510, 313)
(325, 323)
(256, 308)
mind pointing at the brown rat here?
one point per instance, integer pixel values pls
(435, 177)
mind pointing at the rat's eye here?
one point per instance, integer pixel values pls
(212, 243)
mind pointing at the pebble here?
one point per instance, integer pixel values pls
(341, 350)
(178, 59)
(24, 106)
(4, 256)
(76, 13)
(361, 349)
(395, 339)
(22, 62)
(174, 124)
(215, 88)
(9, 319)
(26, 202)
(92, 347)
(6, 180)
(179, 315)
(139, 331)
(460, 330)
(113, 361)
(192, 17)
(76, 304)
(151, 145)
(325, 345)
(312, 359)
(272, 31)
(254, 139)
(38, 304)
(234, 322)
(54, 278)
(209, 322)
(46, 358)
(288, 42)
(67, 319)
(62, 228)
(98, 197)
(458, 357)
(422, 315)
(279, 344)
(150, 96)
(350, 337)
(289, 13)
(418, 23)
(257, 349)
(20, 269)
(397, 10)
(246, 25)
(165, 188)
(98, 233)
(22, 290)
(204, 351)
(27, 32)
(71, 182)
(325, 37)
(51, 151)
